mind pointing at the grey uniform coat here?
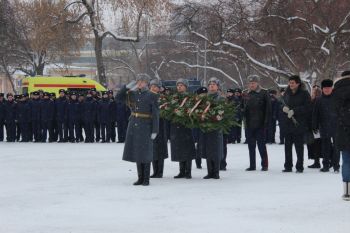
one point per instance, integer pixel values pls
(138, 144)
(181, 143)
(211, 143)
(160, 144)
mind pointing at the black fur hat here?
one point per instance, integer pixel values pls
(327, 83)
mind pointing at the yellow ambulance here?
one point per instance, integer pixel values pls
(54, 84)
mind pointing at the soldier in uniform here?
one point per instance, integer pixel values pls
(73, 114)
(104, 117)
(35, 107)
(181, 140)
(89, 113)
(10, 118)
(271, 130)
(257, 110)
(47, 114)
(80, 122)
(143, 126)
(160, 143)
(61, 105)
(96, 125)
(2, 116)
(122, 118)
(211, 143)
(54, 129)
(24, 117)
(18, 128)
(113, 115)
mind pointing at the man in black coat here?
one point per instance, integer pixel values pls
(73, 115)
(24, 117)
(181, 140)
(257, 111)
(47, 114)
(122, 118)
(280, 118)
(297, 102)
(341, 101)
(2, 116)
(80, 122)
(113, 115)
(89, 115)
(160, 143)
(104, 117)
(10, 118)
(323, 120)
(61, 105)
(35, 107)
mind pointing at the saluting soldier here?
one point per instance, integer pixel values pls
(143, 126)
(211, 143)
(181, 140)
(160, 143)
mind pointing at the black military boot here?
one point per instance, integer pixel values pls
(140, 174)
(160, 169)
(210, 170)
(188, 169)
(346, 196)
(155, 169)
(182, 170)
(315, 165)
(146, 173)
(216, 175)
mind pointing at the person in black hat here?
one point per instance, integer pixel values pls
(24, 117)
(296, 108)
(257, 111)
(61, 105)
(323, 120)
(2, 116)
(35, 106)
(104, 117)
(80, 123)
(89, 116)
(73, 114)
(113, 115)
(10, 118)
(47, 114)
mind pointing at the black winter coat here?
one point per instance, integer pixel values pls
(35, 107)
(10, 111)
(61, 105)
(257, 109)
(73, 111)
(104, 112)
(324, 116)
(160, 143)
(300, 103)
(24, 112)
(47, 110)
(2, 110)
(89, 110)
(341, 101)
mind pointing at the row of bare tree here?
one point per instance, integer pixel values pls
(226, 38)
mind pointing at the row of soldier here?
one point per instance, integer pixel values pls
(42, 117)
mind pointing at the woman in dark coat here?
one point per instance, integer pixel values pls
(182, 142)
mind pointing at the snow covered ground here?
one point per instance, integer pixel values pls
(87, 188)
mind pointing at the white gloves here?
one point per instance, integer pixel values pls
(285, 109)
(290, 113)
(132, 85)
(153, 136)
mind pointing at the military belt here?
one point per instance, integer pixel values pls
(141, 115)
